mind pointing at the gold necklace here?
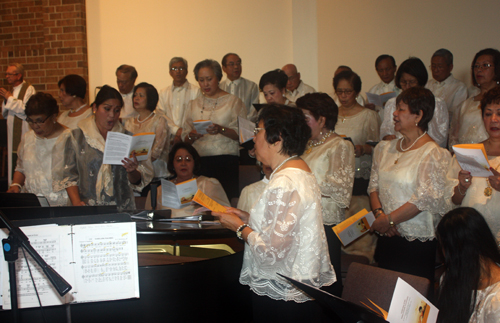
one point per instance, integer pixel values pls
(310, 144)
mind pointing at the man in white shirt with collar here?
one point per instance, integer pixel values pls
(174, 99)
(334, 95)
(246, 90)
(443, 84)
(125, 79)
(295, 88)
(385, 65)
(13, 107)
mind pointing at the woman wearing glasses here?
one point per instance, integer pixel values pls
(467, 122)
(33, 173)
(412, 73)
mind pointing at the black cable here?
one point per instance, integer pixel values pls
(34, 285)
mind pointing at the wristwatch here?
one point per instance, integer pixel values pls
(240, 230)
(223, 130)
(391, 223)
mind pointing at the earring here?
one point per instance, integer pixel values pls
(321, 133)
(498, 82)
(416, 124)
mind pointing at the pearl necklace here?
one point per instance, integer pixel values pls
(310, 144)
(137, 118)
(279, 166)
(74, 111)
(405, 150)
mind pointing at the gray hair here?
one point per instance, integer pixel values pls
(128, 69)
(210, 63)
(444, 53)
(19, 68)
(177, 60)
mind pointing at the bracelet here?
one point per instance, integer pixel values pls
(377, 212)
(391, 223)
(239, 231)
(189, 137)
(16, 184)
(459, 191)
(223, 130)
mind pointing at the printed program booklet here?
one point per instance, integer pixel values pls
(204, 200)
(119, 145)
(201, 126)
(473, 158)
(178, 195)
(245, 132)
(354, 227)
(380, 100)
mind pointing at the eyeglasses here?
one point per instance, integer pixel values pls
(177, 69)
(187, 158)
(346, 92)
(256, 130)
(38, 123)
(482, 67)
(11, 74)
(411, 83)
(232, 64)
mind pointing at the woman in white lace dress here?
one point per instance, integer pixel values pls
(472, 275)
(467, 123)
(361, 125)
(145, 99)
(331, 159)
(412, 73)
(72, 90)
(407, 187)
(284, 231)
(481, 193)
(33, 173)
(217, 144)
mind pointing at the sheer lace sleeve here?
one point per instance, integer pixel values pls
(376, 160)
(20, 155)
(438, 127)
(162, 141)
(239, 111)
(455, 126)
(372, 127)
(64, 164)
(451, 182)
(487, 305)
(430, 182)
(387, 127)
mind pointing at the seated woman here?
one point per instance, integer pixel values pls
(72, 89)
(145, 99)
(273, 85)
(184, 163)
(284, 231)
(33, 173)
(406, 188)
(250, 193)
(470, 287)
(412, 73)
(483, 194)
(78, 167)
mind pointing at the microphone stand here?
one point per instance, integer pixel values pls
(17, 239)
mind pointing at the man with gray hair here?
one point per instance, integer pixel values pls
(295, 87)
(443, 84)
(125, 79)
(13, 107)
(174, 98)
(245, 89)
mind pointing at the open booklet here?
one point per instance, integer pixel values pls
(354, 227)
(201, 126)
(380, 100)
(119, 145)
(245, 132)
(473, 158)
(98, 260)
(178, 195)
(204, 200)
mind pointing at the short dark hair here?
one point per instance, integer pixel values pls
(320, 105)
(191, 150)
(74, 85)
(106, 93)
(128, 69)
(288, 125)
(151, 95)
(350, 77)
(385, 56)
(490, 97)
(344, 67)
(496, 61)
(419, 99)
(210, 63)
(276, 77)
(41, 103)
(416, 68)
(444, 53)
(224, 59)
(467, 243)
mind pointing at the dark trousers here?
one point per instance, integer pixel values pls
(225, 169)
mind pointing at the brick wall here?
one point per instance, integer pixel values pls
(47, 36)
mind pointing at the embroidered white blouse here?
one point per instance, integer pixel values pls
(288, 238)
(467, 126)
(72, 122)
(487, 305)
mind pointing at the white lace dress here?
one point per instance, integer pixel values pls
(487, 305)
(34, 161)
(332, 163)
(288, 238)
(467, 126)
(488, 206)
(438, 126)
(418, 178)
(161, 146)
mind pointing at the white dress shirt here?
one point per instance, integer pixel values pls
(300, 91)
(382, 88)
(173, 102)
(12, 107)
(128, 110)
(246, 90)
(451, 90)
